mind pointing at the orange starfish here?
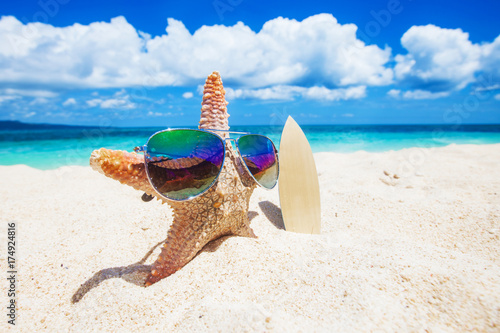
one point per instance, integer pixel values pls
(222, 210)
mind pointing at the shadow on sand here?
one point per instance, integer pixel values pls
(137, 273)
(273, 214)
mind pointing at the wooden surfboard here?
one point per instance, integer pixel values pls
(298, 182)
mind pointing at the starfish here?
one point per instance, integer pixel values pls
(220, 211)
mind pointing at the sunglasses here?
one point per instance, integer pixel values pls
(182, 164)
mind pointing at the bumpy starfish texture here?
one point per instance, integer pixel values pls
(214, 106)
(220, 211)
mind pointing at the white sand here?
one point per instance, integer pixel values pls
(417, 253)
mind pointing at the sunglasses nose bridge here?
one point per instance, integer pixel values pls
(245, 175)
(230, 141)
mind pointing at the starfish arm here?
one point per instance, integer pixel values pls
(127, 168)
(220, 211)
(195, 224)
(214, 106)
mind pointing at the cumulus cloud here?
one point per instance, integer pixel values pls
(95, 55)
(282, 92)
(316, 58)
(438, 59)
(490, 62)
(315, 51)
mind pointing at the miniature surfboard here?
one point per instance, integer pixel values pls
(298, 182)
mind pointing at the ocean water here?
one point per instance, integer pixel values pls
(49, 148)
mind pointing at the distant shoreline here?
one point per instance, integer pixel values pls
(18, 125)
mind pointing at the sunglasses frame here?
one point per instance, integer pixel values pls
(143, 149)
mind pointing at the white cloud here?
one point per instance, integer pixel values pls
(119, 93)
(323, 93)
(155, 114)
(438, 59)
(69, 101)
(281, 92)
(497, 97)
(94, 102)
(309, 115)
(119, 101)
(424, 94)
(490, 59)
(317, 50)
(168, 114)
(394, 93)
(29, 92)
(416, 94)
(115, 103)
(316, 58)
(488, 88)
(39, 100)
(275, 92)
(6, 98)
(348, 115)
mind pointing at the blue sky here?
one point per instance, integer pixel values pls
(140, 63)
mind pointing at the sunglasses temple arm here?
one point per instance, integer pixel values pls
(145, 197)
(140, 149)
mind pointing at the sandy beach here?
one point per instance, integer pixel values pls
(410, 241)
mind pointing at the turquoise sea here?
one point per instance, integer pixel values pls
(49, 147)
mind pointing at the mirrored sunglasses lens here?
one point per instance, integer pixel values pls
(259, 155)
(183, 163)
